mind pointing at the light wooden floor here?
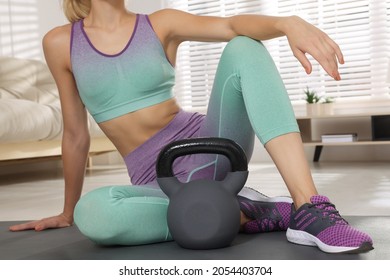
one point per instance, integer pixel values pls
(356, 188)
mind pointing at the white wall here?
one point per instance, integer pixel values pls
(144, 6)
(50, 15)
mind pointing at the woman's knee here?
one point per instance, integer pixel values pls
(244, 51)
(117, 215)
(91, 214)
(242, 46)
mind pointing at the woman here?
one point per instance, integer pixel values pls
(120, 66)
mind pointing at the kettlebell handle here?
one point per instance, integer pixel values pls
(210, 145)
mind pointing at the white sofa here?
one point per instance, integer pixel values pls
(30, 113)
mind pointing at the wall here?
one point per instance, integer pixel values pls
(50, 15)
(146, 7)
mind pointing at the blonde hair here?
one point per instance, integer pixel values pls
(75, 10)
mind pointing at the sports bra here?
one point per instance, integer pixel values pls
(113, 85)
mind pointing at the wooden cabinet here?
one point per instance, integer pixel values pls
(350, 123)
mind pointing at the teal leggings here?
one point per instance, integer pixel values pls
(248, 98)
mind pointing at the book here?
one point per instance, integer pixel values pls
(339, 138)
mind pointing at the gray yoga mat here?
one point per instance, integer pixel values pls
(70, 244)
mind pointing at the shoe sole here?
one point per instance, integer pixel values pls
(254, 195)
(304, 238)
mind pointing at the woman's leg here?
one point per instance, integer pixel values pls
(288, 154)
(249, 94)
(249, 97)
(123, 215)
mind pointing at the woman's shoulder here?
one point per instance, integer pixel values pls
(166, 20)
(166, 14)
(58, 36)
(56, 45)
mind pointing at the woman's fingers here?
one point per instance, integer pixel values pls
(59, 221)
(303, 60)
(24, 226)
(337, 50)
(332, 57)
(325, 56)
(305, 38)
(35, 225)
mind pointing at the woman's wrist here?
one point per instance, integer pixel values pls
(68, 215)
(283, 24)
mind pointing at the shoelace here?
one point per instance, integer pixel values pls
(329, 210)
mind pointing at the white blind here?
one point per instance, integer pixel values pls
(196, 68)
(19, 29)
(361, 28)
(196, 61)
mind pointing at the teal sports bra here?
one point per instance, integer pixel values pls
(114, 85)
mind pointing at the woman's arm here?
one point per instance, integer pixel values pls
(302, 36)
(75, 140)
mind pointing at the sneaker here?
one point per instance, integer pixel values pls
(267, 214)
(320, 224)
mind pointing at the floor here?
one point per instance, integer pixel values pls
(357, 189)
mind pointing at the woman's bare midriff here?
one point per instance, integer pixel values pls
(129, 131)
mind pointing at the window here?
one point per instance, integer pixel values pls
(361, 28)
(19, 29)
(196, 61)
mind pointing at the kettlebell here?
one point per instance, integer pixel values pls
(203, 214)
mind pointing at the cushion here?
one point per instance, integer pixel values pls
(26, 79)
(23, 120)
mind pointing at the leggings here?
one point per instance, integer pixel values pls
(248, 98)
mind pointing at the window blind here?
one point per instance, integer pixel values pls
(197, 61)
(361, 28)
(19, 29)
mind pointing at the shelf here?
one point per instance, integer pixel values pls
(319, 143)
(359, 123)
(335, 116)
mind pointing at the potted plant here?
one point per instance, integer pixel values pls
(327, 106)
(312, 102)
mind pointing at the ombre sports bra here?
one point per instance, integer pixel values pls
(114, 85)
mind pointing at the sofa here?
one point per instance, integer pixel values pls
(30, 113)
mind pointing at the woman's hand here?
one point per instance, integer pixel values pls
(59, 221)
(306, 38)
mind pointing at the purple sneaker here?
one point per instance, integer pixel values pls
(320, 224)
(267, 214)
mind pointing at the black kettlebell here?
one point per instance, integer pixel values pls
(203, 214)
